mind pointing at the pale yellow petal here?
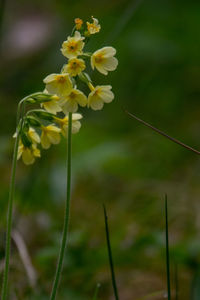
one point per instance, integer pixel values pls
(58, 84)
(81, 99)
(95, 102)
(76, 117)
(33, 135)
(70, 106)
(77, 35)
(45, 141)
(53, 128)
(52, 106)
(49, 79)
(110, 63)
(28, 157)
(108, 51)
(36, 151)
(101, 69)
(106, 94)
(76, 125)
(53, 137)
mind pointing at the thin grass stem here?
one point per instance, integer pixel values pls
(123, 20)
(110, 255)
(67, 213)
(96, 291)
(9, 214)
(167, 249)
(163, 134)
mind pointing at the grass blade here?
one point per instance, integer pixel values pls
(167, 249)
(110, 255)
(176, 282)
(163, 134)
(96, 291)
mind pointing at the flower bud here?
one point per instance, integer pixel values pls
(39, 98)
(79, 23)
(87, 34)
(32, 121)
(84, 77)
(42, 114)
(25, 140)
(85, 55)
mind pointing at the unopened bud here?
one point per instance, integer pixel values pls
(79, 23)
(84, 77)
(39, 98)
(25, 140)
(42, 114)
(32, 121)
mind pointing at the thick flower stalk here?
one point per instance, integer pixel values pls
(57, 116)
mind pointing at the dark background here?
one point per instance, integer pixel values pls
(116, 160)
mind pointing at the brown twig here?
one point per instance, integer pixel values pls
(163, 134)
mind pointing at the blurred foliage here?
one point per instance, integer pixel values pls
(115, 160)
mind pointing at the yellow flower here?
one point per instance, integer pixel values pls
(93, 27)
(99, 95)
(73, 46)
(79, 23)
(70, 103)
(50, 135)
(75, 66)
(52, 106)
(28, 154)
(34, 137)
(58, 84)
(76, 124)
(103, 60)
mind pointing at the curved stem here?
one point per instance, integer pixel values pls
(9, 216)
(20, 120)
(67, 211)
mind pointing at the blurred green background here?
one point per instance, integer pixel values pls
(116, 160)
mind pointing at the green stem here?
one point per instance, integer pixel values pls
(96, 291)
(114, 284)
(9, 216)
(67, 210)
(167, 249)
(20, 121)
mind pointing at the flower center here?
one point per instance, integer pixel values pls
(72, 95)
(97, 92)
(72, 46)
(61, 79)
(98, 58)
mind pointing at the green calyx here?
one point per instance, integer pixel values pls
(38, 98)
(32, 121)
(25, 140)
(84, 77)
(42, 114)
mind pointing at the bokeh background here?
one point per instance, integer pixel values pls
(116, 160)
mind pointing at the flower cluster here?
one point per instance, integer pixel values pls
(61, 95)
